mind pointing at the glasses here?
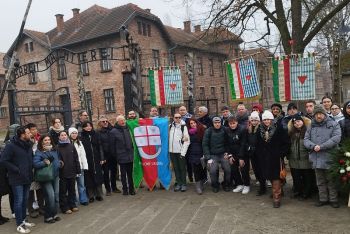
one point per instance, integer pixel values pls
(177, 117)
(104, 121)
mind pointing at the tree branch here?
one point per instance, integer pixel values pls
(312, 15)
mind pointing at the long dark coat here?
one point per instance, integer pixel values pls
(94, 156)
(4, 183)
(271, 152)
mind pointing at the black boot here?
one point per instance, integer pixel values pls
(261, 191)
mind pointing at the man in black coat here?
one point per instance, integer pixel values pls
(17, 157)
(204, 117)
(4, 188)
(110, 168)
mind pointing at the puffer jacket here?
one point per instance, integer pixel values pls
(40, 156)
(17, 157)
(214, 142)
(178, 140)
(327, 135)
(298, 155)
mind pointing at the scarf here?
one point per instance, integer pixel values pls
(60, 129)
(64, 142)
(47, 147)
(192, 131)
(267, 133)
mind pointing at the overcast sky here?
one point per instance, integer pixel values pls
(42, 14)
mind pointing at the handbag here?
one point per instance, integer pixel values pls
(44, 174)
(283, 171)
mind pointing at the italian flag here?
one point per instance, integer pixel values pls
(243, 79)
(165, 86)
(151, 162)
(281, 79)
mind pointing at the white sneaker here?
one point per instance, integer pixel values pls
(22, 229)
(28, 225)
(269, 185)
(238, 189)
(246, 190)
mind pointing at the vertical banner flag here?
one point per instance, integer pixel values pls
(294, 78)
(243, 80)
(165, 86)
(151, 140)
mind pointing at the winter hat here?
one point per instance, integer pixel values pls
(320, 109)
(277, 105)
(291, 106)
(254, 116)
(297, 117)
(267, 115)
(71, 130)
(216, 119)
(258, 106)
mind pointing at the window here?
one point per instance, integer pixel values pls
(32, 75)
(201, 92)
(199, 66)
(211, 67)
(3, 112)
(144, 29)
(139, 27)
(172, 59)
(61, 68)
(29, 47)
(212, 92)
(156, 61)
(109, 100)
(223, 96)
(106, 64)
(221, 67)
(84, 66)
(88, 98)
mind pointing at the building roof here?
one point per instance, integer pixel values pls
(98, 21)
(260, 54)
(219, 34)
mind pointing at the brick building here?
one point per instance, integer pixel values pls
(42, 95)
(4, 115)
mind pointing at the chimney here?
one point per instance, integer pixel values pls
(60, 23)
(187, 26)
(76, 18)
(148, 10)
(197, 28)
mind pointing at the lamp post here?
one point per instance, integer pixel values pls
(338, 47)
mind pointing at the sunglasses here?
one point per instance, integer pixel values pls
(104, 121)
(177, 117)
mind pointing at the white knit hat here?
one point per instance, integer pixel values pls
(71, 130)
(267, 115)
(254, 116)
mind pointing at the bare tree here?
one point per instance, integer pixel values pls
(297, 21)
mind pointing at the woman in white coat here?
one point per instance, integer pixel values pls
(179, 141)
(73, 135)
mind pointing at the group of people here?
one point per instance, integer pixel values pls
(263, 140)
(78, 157)
(86, 158)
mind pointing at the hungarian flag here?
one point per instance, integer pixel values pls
(294, 78)
(243, 80)
(151, 139)
(165, 86)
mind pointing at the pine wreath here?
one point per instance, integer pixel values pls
(340, 166)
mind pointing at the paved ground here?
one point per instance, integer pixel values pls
(169, 212)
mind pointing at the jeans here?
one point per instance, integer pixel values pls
(81, 188)
(21, 193)
(67, 186)
(51, 197)
(240, 175)
(179, 164)
(110, 170)
(214, 170)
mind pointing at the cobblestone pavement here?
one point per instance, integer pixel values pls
(169, 212)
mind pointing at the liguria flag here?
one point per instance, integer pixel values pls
(150, 138)
(294, 78)
(243, 80)
(165, 86)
